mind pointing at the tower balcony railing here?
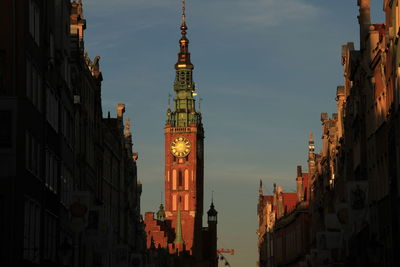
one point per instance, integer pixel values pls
(181, 129)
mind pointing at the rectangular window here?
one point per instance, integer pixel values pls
(52, 109)
(173, 179)
(28, 78)
(187, 202)
(31, 231)
(66, 186)
(5, 129)
(50, 235)
(39, 92)
(32, 154)
(186, 179)
(34, 21)
(173, 202)
(34, 85)
(51, 175)
(31, 18)
(180, 178)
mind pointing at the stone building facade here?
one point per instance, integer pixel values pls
(69, 192)
(354, 181)
(283, 221)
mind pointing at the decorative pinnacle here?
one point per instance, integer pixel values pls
(183, 26)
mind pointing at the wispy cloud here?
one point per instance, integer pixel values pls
(136, 4)
(275, 12)
(256, 14)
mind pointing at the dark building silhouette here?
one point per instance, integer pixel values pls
(69, 193)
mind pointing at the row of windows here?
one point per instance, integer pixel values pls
(184, 202)
(180, 179)
(32, 232)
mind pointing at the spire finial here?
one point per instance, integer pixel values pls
(183, 26)
(183, 12)
(184, 55)
(311, 136)
(212, 197)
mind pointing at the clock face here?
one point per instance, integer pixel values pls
(180, 147)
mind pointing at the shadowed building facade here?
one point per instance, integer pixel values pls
(69, 193)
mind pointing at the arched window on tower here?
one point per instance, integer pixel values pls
(180, 179)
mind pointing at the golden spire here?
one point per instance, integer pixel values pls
(184, 55)
(183, 13)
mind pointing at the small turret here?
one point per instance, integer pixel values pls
(161, 213)
(212, 215)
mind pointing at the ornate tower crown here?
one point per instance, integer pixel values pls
(184, 55)
(184, 113)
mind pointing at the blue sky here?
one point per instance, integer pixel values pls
(265, 69)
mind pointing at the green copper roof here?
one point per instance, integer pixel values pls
(184, 111)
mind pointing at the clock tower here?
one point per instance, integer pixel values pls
(178, 226)
(184, 163)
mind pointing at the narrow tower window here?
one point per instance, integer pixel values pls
(180, 179)
(186, 179)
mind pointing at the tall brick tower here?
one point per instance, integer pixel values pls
(184, 165)
(178, 224)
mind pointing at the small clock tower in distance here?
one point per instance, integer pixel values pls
(184, 161)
